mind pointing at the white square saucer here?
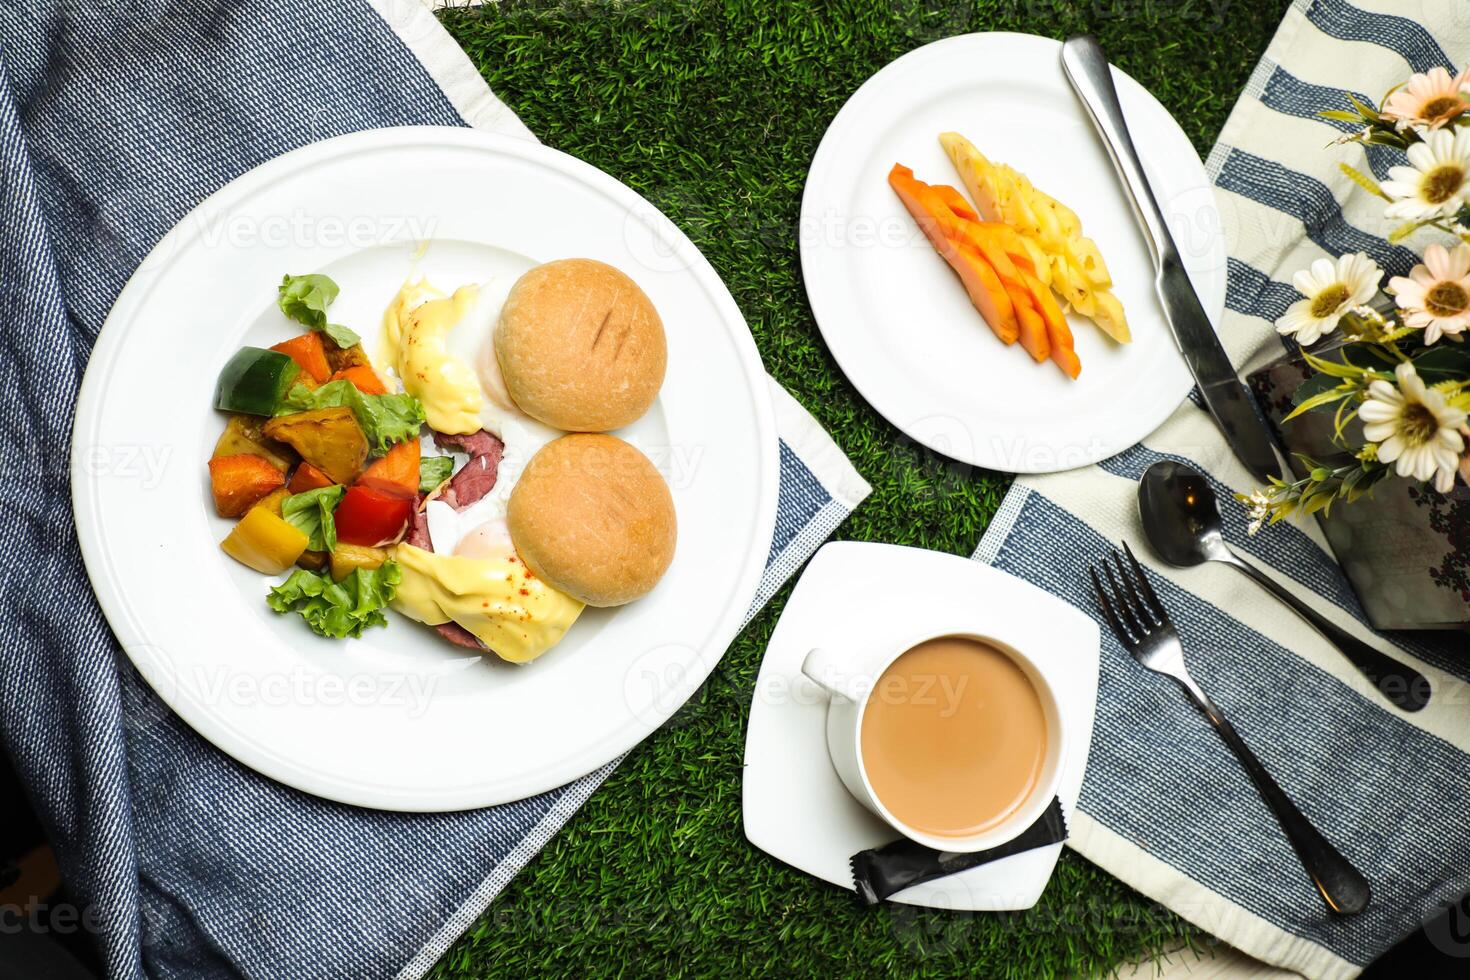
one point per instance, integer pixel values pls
(796, 808)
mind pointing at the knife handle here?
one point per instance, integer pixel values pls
(1087, 69)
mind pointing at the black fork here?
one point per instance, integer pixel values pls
(1144, 628)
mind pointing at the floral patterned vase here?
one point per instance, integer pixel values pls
(1405, 548)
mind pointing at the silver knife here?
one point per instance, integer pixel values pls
(1224, 395)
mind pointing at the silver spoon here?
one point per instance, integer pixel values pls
(1182, 523)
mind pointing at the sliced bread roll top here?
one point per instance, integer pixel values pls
(580, 346)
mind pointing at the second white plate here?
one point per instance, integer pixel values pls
(896, 317)
(795, 806)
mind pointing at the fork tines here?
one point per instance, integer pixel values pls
(1133, 608)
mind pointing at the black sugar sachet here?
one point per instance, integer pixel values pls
(881, 871)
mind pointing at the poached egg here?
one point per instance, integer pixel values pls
(439, 347)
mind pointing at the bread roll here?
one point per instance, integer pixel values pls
(592, 517)
(580, 346)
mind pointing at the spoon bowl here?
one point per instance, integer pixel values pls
(1181, 521)
(1181, 517)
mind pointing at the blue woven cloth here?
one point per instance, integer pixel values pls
(1165, 806)
(115, 121)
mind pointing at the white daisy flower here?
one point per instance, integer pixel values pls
(1331, 291)
(1415, 428)
(1437, 181)
(1435, 296)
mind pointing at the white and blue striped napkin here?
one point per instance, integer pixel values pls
(115, 121)
(1165, 807)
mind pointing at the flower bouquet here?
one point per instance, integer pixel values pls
(1375, 400)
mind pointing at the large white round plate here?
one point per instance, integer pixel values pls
(399, 719)
(896, 317)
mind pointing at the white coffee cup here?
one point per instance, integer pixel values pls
(850, 677)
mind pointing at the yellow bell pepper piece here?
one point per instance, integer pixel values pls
(265, 542)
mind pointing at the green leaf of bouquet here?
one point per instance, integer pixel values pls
(1318, 400)
(1443, 362)
(1314, 386)
(1345, 413)
(1366, 111)
(1334, 369)
(1372, 359)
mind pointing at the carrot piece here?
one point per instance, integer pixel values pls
(1057, 330)
(238, 481)
(987, 293)
(955, 201)
(364, 377)
(1000, 237)
(308, 477)
(1033, 332)
(979, 278)
(307, 351)
(397, 472)
(990, 240)
(990, 247)
(1015, 272)
(1009, 241)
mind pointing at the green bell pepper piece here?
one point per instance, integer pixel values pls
(254, 381)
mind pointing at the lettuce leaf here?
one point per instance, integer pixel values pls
(305, 299)
(343, 337)
(311, 513)
(339, 609)
(434, 470)
(384, 419)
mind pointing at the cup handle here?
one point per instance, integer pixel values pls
(826, 670)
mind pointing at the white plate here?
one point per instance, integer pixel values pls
(895, 315)
(796, 807)
(400, 719)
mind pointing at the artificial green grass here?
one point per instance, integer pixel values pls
(713, 110)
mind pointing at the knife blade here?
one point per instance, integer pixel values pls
(1225, 396)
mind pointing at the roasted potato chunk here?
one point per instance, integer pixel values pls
(350, 556)
(243, 435)
(345, 357)
(272, 500)
(314, 561)
(327, 438)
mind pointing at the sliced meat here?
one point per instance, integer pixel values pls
(473, 481)
(459, 636)
(480, 443)
(418, 530)
(475, 478)
(418, 536)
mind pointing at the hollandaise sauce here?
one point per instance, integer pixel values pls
(416, 328)
(414, 293)
(499, 600)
